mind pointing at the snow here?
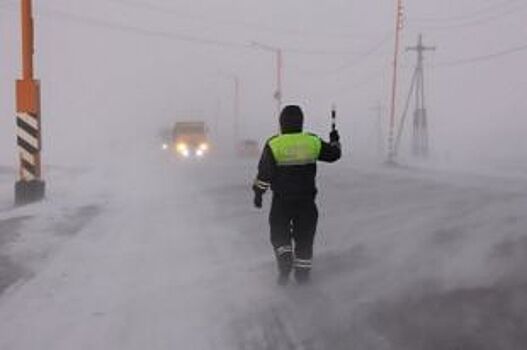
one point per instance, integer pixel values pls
(31, 234)
(172, 256)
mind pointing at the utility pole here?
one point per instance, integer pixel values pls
(30, 187)
(393, 106)
(420, 146)
(420, 135)
(279, 70)
(378, 109)
(278, 94)
(217, 113)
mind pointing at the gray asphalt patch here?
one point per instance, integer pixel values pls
(266, 331)
(481, 318)
(9, 271)
(9, 229)
(75, 222)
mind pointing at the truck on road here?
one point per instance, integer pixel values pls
(188, 139)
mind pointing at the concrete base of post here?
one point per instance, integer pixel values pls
(29, 191)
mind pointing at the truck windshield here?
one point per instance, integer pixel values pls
(189, 129)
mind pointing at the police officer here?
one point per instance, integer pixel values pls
(288, 167)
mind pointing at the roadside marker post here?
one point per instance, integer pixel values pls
(30, 187)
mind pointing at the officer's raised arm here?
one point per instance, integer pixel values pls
(331, 152)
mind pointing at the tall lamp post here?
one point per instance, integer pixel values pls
(278, 94)
(236, 104)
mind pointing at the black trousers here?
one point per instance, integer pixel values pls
(294, 223)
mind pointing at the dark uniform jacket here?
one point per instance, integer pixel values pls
(288, 164)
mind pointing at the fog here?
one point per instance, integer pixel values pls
(134, 249)
(117, 70)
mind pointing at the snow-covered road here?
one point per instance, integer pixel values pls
(174, 257)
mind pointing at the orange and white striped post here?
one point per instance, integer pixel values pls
(30, 187)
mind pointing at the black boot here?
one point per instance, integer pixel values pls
(302, 276)
(302, 270)
(284, 258)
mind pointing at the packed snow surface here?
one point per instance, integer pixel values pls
(171, 255)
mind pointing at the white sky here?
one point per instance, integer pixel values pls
(115, 71)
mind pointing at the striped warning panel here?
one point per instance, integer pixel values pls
(28, 139)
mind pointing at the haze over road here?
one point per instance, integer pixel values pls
(405, 259)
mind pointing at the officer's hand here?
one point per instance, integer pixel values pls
(334, 136)
(258, 199)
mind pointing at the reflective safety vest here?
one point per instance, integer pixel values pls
(295, 149)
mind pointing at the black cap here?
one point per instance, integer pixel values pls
(291, 119)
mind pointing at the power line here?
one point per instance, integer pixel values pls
(483, 58)
(481, 11)
(291, 50)
(357, 86)
(357, 61)
(477, 21)
(164, 9)
(370, 78)
(364, 56)
(136, 30)
(171, 35)
(313, 52)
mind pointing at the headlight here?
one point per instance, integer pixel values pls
(185, 153)
(199, 153)
(203, 147)
(164, 147)
(182, 147)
